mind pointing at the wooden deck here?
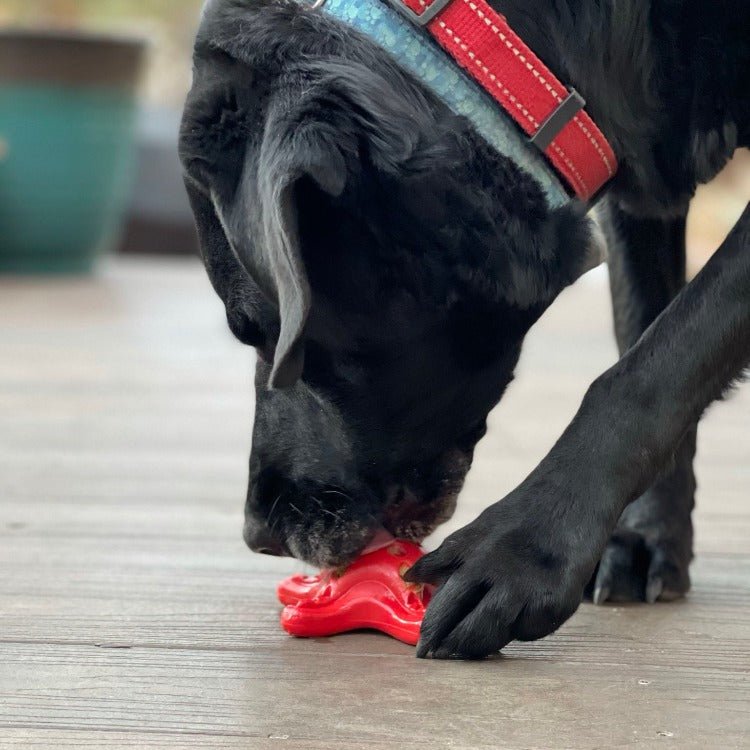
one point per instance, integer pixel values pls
(132, 615)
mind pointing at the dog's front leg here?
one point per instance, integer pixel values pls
(518, 571)
(648, 556)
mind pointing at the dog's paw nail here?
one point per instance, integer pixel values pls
(601, 594)
(654, 589)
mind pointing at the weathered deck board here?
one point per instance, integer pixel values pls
(131, 615)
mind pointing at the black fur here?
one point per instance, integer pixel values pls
(387, 264)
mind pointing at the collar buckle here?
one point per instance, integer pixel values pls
(419, 19)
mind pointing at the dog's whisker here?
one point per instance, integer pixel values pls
(294, 507)
(340, 493)
(273, 507)
(324, 509)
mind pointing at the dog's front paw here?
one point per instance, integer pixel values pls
(637, 567)
(501, 580)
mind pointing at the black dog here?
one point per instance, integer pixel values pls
(386, 263)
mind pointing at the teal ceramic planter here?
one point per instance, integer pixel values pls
(67, 111)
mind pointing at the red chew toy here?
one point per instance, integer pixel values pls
(370, 593)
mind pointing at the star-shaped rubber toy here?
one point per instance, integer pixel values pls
(371, 593)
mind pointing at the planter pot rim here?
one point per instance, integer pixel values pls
(70, 57)
(72, 35)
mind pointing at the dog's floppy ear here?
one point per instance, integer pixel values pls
(322, 125)
(260, 223)
(258, 215)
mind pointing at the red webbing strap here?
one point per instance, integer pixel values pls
(480, 40)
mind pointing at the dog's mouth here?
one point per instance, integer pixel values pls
(407, 515)
(325, 546)
(330, 527)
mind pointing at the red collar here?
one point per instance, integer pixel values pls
(480, 40)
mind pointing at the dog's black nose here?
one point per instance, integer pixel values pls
(259, 539)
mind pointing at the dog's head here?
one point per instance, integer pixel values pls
(381, 258)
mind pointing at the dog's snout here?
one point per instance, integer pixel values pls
(260, 539)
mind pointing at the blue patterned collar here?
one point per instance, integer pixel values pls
(416, 52)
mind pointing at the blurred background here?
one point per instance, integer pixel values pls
(90, 98)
